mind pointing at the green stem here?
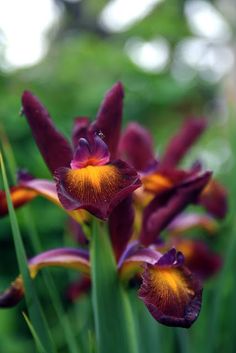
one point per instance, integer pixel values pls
(112, 312)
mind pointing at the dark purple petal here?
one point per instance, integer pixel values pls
(54, 148)
(198, 257)
(65, 257)
(80, 129)
(136, 145)
(163, 208)
(171, 293)
(168, 258)
(20, 195)
(182, 142)
(97, 189)
(79, 288)
(214, 199)
(94, 152)
(121, 225)
(13, 295)
(109, 117)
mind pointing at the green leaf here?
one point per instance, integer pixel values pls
(147, 327)
(114, 325)
(35, 311)
(34, 334)
(36, 245)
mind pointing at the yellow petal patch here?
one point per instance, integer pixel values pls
(156, 183)
(169, 289)
(93, 183)
(19, 195)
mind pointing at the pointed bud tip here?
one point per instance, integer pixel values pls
(117, 89)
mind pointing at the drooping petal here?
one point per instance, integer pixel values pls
(162, 209)
(121, 225)
(54, 148)
(170, 292)
(214, 199)
(97, 189)
(27, 190)
(80, 129)
(133, 259)
(187, 221)
(136, 145)
(65, 257)
(109, 116)
(198, 257)
(19, 195)
(182, 142)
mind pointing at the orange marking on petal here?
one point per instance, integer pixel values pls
(19, 196)
(156, 183)
(166, 279)
(169, 289)
(94, 183)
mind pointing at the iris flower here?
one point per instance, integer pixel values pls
(116, 178)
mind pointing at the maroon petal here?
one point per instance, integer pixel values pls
(162, 210)
(182, 142)
(93, 152)
(20, 195)
(65, 257)
(77, 289)
(121, 225)
(97, 189)
(136, 145)
(80, 129)
(170, 292)
(198, 257)
(214, 199)
(54, 148)
(109, 116)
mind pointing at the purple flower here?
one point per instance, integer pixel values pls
(92, 178)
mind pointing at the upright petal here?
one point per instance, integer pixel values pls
(80, 129)
(54, 148)
(65, 257)
(97, 189)
(182, 142)
(90, 152)
(109, 117)
(121, 223)
(170, 292)
(162, 209)
(136, 145)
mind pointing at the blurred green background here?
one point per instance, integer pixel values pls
(175, 59)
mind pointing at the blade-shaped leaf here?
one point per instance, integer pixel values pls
(35, 311)
(115, 331)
